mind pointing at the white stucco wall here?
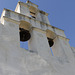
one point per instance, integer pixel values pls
(39, 44)
(73, 50)
(61, 48)
(38, 59)
(24, 10)
(17, 61)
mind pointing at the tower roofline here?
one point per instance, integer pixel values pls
(31, 3)
(30, 18)
(25, 4)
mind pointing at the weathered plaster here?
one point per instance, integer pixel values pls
(38, 60)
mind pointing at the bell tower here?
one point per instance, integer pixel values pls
(35, 28)
(32, 28)
(29, 23)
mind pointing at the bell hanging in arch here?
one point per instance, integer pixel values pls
(50, 41)
(24, 35)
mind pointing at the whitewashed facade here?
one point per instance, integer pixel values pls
(38, 60)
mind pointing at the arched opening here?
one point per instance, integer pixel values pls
(50, 36)
(50, 41)
(24, 35)
(24, 32)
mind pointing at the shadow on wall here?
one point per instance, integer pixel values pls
(25, 46)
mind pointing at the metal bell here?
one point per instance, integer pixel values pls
(50, 41)
(24, 35)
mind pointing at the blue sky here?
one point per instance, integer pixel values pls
(61, 13)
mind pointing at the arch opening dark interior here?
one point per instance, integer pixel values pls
(51, 43)
(24, 37)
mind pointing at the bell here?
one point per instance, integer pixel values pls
(50, 41)
(24, 35)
